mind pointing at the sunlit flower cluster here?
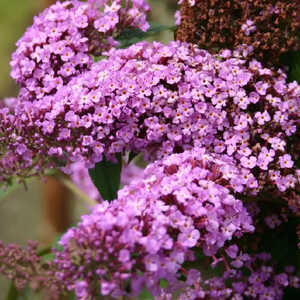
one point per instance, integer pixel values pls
(146, 235)
(63, 38)
(160, 99)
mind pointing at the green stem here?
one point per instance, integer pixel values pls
(13, 293)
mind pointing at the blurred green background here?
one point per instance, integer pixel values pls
(15, 16)
(21, 212)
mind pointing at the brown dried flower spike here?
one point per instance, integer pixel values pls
(272, 27)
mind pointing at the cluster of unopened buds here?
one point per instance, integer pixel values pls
(219, 131)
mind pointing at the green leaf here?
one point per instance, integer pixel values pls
(298, 163)
(145, 295)
(163, 283)
(44, 251)
(294, 73)
(98, 58)
(132, 155)
(46, 254)
(130, 36)
(292, 60)
(106, 177)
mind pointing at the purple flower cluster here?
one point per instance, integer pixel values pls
(244, 277)
(162, 99)
(221, 128)
(181, 202)
(60, 43)
(80, 176)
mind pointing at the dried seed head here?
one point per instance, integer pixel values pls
(271, 27)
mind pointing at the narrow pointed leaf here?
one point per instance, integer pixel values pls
(132, 156)
(106, 177)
